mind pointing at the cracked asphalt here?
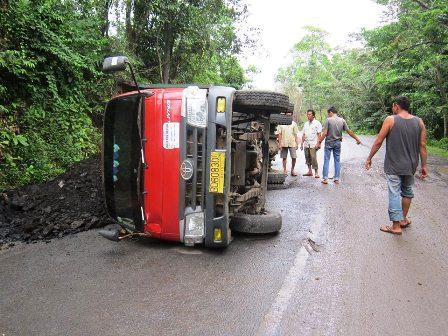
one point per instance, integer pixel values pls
(330, 271)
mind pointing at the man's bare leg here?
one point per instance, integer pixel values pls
(284, 166)
(310, 172)
(405, 204)
(316, 173)
(293, 164)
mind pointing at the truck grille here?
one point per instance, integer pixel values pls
(195, 151)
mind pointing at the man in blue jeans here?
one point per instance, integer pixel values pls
(333, 127)
(405, 136)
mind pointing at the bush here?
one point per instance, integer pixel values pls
(442, 143)
(49, 61)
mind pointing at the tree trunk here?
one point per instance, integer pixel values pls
(105, 18)
(443, 98)
(445, 125)
(128, 24)
(167, 54)
(166, 67)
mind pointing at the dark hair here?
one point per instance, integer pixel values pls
(403, 102)
(312, 111)
(332, 109)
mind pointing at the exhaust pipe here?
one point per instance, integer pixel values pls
(117, 234)
(113, 235)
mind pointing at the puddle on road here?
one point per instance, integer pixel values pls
(443, 170)
(186, 250)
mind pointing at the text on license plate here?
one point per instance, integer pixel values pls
(217, 167)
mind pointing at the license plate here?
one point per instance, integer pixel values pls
(217, 168)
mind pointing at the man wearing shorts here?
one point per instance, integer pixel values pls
(288, 138)
(405, 136)
(312, 130)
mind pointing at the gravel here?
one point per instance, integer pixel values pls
(70, 203)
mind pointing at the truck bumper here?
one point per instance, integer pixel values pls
(217, 225)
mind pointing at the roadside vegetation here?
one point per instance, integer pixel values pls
(52, 93)
(407, 56)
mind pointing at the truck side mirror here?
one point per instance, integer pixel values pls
(116, 63)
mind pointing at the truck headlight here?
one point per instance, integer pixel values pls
(194, 228)
(195, 106)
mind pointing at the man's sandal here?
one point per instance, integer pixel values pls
(388, 229)
(408, 222)
(325, 181)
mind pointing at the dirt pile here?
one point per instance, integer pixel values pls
(70, 203)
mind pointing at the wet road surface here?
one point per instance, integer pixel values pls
(330, 271)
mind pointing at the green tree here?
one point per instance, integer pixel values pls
(49, 59)
(307, 76)
(412, 58)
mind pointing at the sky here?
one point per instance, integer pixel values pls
(281, 25)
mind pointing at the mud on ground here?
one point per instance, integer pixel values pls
(70, 203)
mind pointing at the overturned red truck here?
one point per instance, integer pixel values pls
(188, 163)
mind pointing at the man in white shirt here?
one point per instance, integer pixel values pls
(312, 130)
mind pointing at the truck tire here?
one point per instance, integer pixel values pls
(270, 222)
(249, 101)
(276, 178)
(280, 119)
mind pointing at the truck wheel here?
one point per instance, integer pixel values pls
(276, 178)
(270, 222)
(280, 119)
(248, 101)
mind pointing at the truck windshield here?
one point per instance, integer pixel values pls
(122, 160)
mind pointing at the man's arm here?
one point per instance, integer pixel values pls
(385, 129)
(423, 153)
(322, 134)
(353, 135)
(279, 135)
(295, 131)
(321, 137)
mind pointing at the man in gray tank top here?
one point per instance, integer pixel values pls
(405, 136)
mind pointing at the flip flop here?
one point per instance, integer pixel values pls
(336, 181)
(388, 229)
(325, 181)
(408, 222)
(317, 176)
(293, 174)
(307, 174)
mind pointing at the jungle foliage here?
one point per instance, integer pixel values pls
(52, 93)
(407, 56)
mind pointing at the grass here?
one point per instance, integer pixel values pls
(432, 150)
(436, 151)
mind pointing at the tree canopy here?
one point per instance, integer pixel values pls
(407, 56)
(52, 93)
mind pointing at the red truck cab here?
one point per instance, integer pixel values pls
(161, 162)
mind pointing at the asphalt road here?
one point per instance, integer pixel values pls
(330, 271)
